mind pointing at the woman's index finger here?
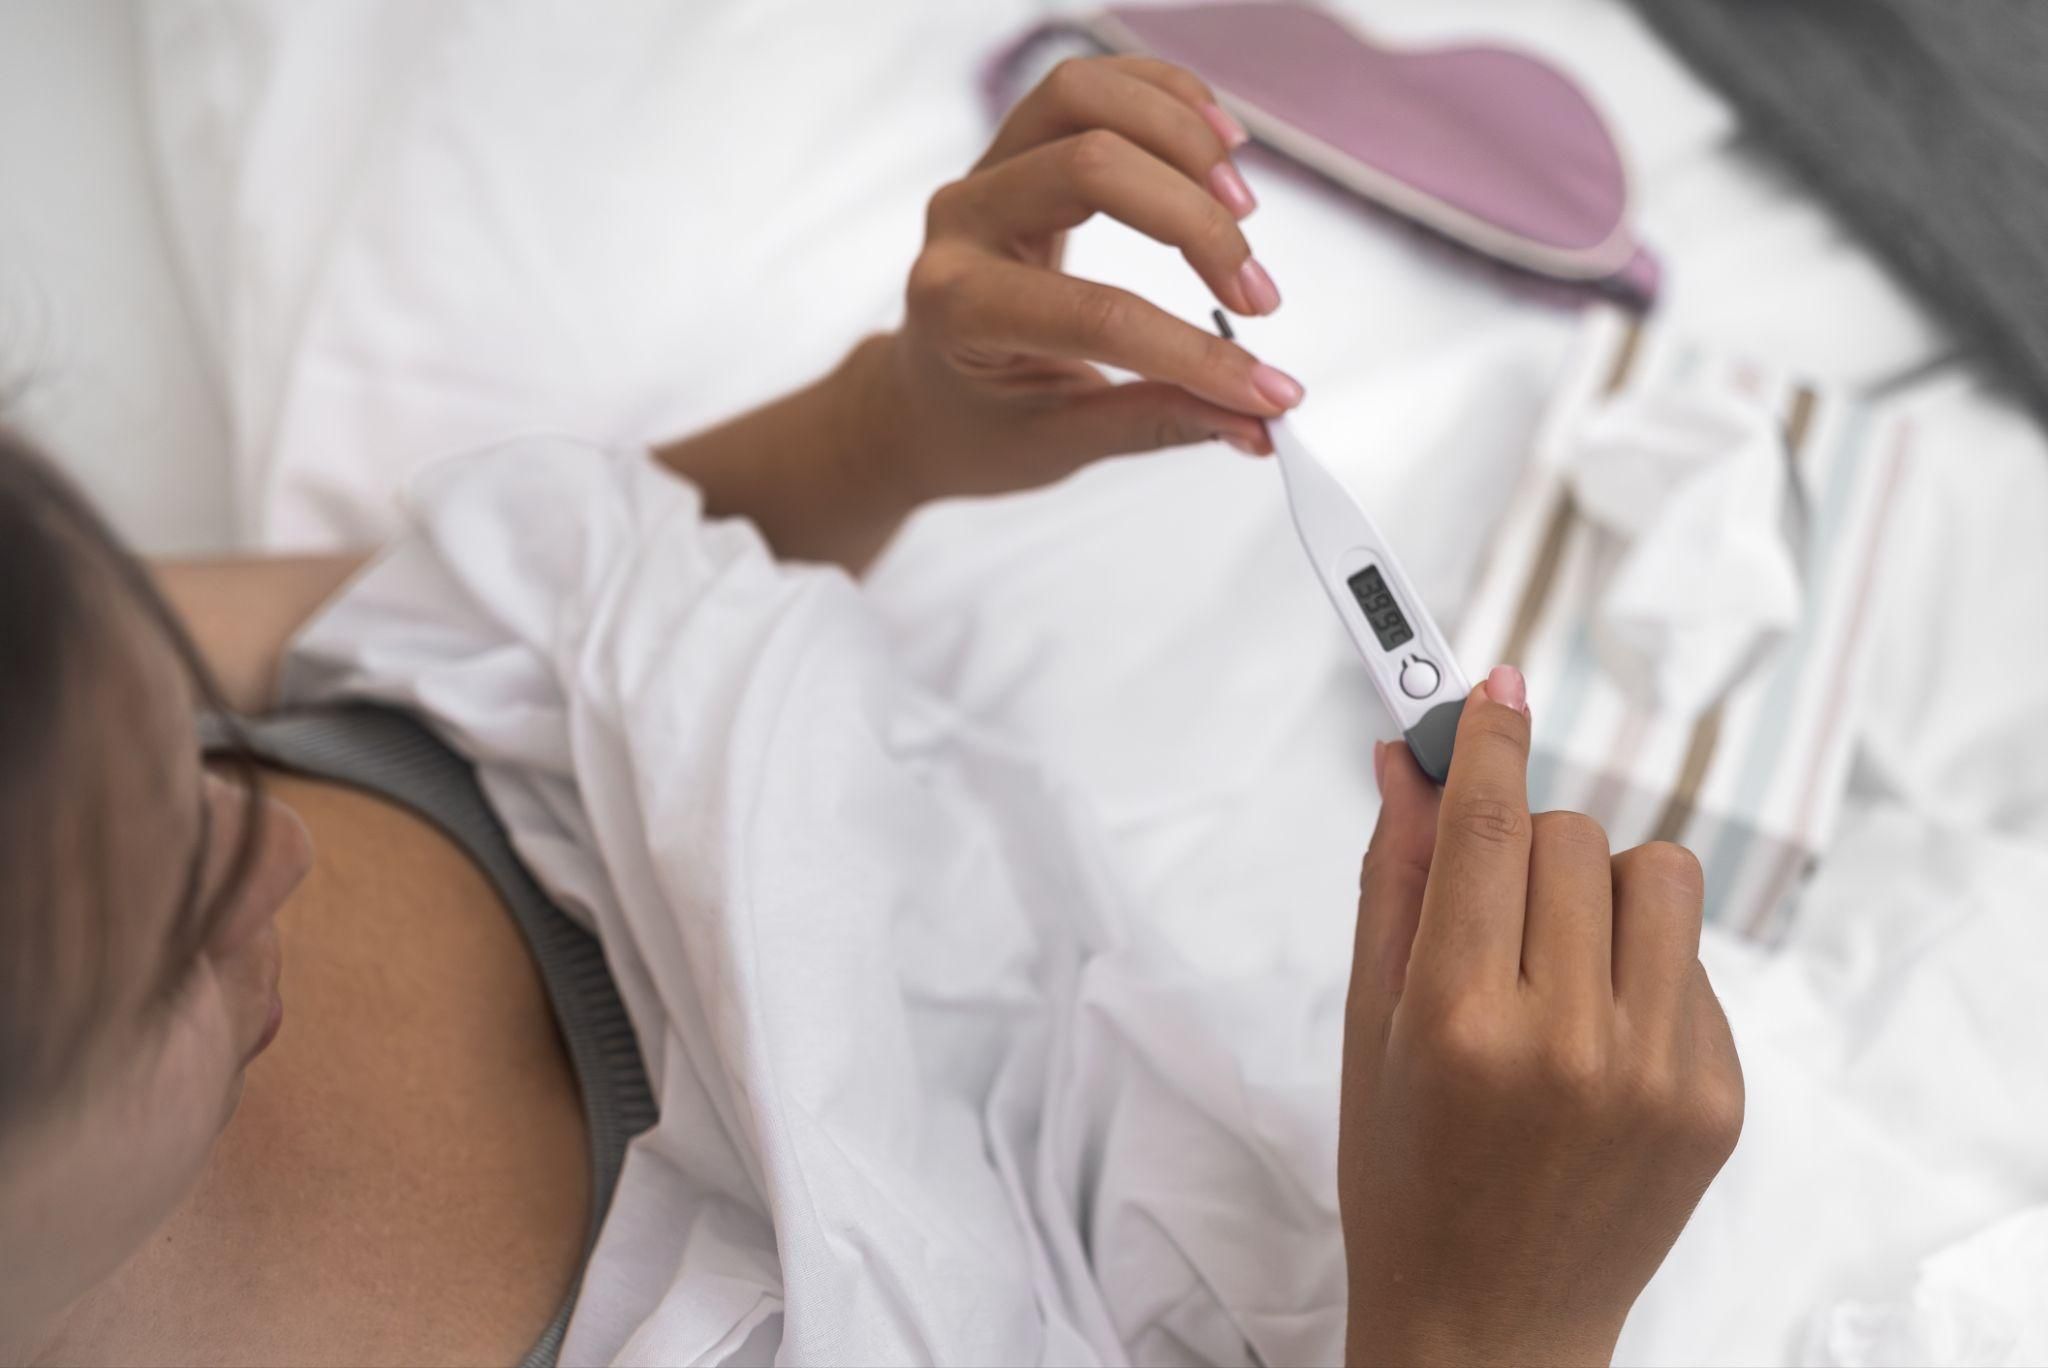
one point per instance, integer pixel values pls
(1472, 911)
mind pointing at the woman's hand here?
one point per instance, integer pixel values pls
(990, 384)
(1538, 1081)
(995, 386)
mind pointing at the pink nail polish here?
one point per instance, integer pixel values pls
(1228, 187)
(1258, 287)
(1230, 130)
(1505, 685)
(1276, 386)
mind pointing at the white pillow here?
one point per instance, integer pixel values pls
(414, 228)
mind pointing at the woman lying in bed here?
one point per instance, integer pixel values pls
(1538, 1083)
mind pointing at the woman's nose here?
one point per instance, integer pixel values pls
(283, 854)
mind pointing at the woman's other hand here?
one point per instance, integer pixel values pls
(991, 385)
(1538, 1081)
(993, 370)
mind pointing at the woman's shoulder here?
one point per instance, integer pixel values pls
(407, 1177)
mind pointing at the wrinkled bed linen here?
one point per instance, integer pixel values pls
(944, 1077)
(1981, 1301)
(909, 1068)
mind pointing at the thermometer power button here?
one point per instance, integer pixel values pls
(1419, 677)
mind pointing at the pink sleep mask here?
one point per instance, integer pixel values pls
(1491, 147)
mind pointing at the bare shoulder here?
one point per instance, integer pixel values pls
(243, 611)
(406, 1179)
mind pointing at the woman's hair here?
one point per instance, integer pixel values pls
(68, 685)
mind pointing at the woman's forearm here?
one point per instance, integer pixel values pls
(815, 471)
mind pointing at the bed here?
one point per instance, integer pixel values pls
(233, 223)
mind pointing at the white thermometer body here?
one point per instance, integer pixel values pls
(1410, 662)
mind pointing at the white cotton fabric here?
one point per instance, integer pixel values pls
(1980, 1303)
(907, 1070)
(1692, 487)
(847, 929)
(957, 1066)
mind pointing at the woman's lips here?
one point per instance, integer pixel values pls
(271, 1025)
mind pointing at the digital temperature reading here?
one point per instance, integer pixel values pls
(1381, 611)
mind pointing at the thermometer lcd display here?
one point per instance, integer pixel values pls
(1381, 611)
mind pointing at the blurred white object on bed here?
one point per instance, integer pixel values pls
(1980, 1303)
(1688, 573)
(1691, 486)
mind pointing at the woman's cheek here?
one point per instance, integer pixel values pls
(144, 1138)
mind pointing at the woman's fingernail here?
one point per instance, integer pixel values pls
(1258, 287)
(1276, 386)
(1505, 685)
(1379, 763)
(1237, 443)
(1230, 130)
(1229, 187)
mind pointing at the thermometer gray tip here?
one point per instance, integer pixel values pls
(1222, 325)
(1430, 738)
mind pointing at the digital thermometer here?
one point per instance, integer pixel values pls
(1410, 662)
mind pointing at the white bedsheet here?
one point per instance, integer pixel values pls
(410, 237)
(848, 930)
(923, 1031)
